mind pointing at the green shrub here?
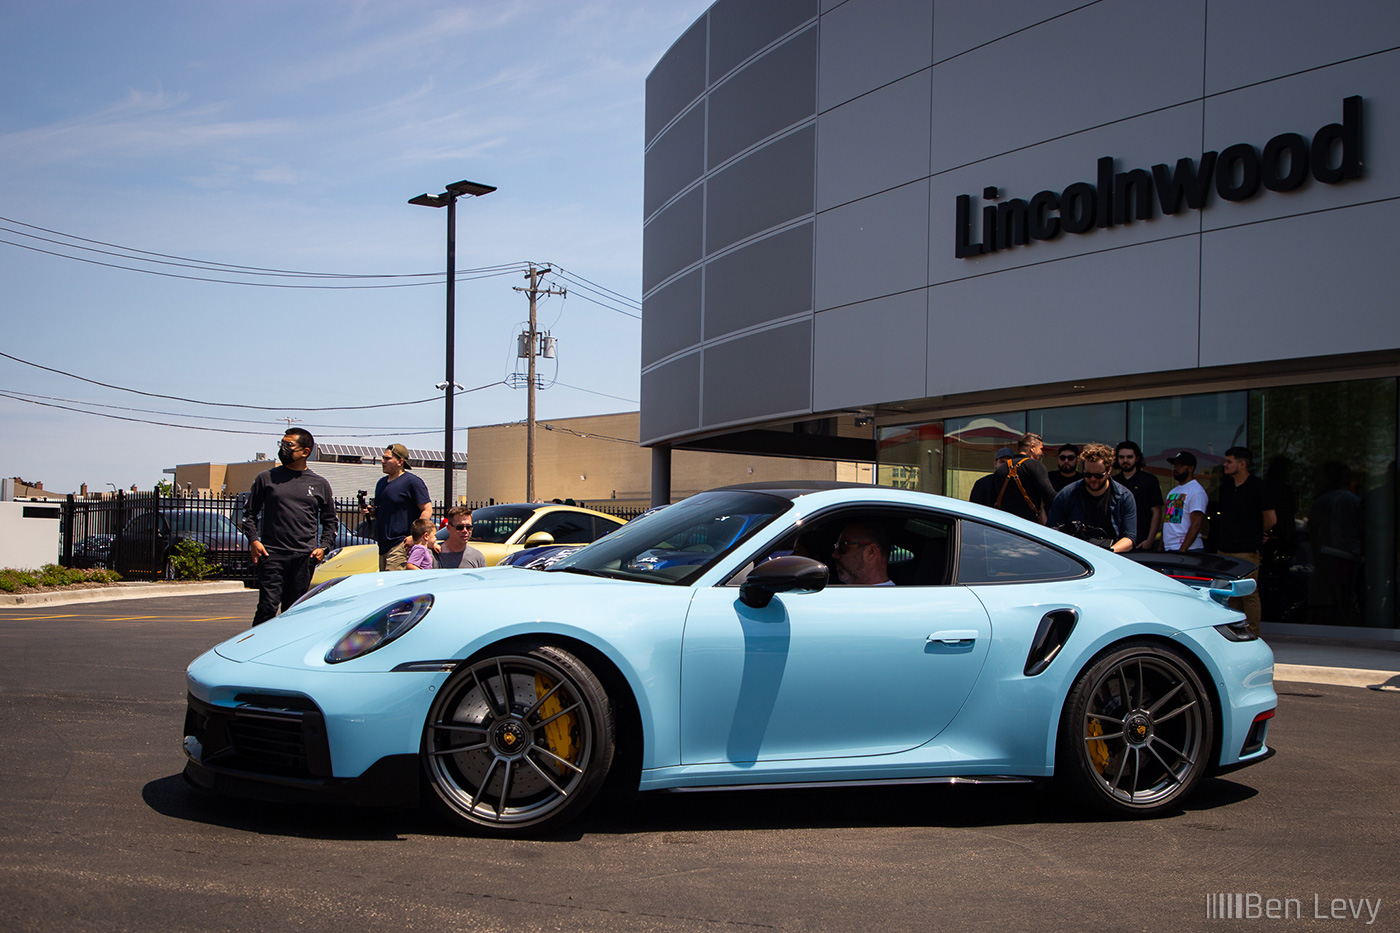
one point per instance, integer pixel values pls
(189, 563)
(52, 575)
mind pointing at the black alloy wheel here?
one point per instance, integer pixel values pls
(1137, 730)
(518, 742)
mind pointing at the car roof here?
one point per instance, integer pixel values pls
(537, 506)
(792, 489)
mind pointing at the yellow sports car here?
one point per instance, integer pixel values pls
(497, 530)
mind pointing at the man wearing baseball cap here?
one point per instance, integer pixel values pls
(1185, 506)
(400, 498)
(982, 491)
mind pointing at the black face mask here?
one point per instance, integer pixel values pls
(284, 455)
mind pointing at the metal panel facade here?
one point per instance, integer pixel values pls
(884, 113)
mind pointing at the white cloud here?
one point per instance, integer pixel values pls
(139, 125)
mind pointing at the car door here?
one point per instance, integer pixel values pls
(140, 549)
(847, 671)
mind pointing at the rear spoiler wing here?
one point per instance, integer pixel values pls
(1223, 577)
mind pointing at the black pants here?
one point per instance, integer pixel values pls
(283, 578)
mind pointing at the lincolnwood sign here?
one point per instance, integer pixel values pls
(1236, 173)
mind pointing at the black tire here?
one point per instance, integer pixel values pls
(518, 742)
(1137, 731)
(168, 571)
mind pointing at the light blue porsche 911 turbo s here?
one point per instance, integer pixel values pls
(805, 634)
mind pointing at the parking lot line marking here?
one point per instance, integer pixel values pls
(214, 619)
(33, 618)
(129, 618)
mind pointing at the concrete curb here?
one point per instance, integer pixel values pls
(1336, 676)
(121, 591)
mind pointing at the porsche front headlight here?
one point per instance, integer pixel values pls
(379, 629)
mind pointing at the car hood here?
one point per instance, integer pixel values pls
(357, 597)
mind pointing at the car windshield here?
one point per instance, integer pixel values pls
(495, 523)
(207, 522)
(677, 544)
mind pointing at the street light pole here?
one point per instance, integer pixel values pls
(448, 199)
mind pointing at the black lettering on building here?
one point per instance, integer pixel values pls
(1186, 182)
(1132, 196)
(1236, 173)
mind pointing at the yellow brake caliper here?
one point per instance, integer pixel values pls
(1098, 750)
(560, 732)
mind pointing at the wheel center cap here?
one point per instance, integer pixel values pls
(510, 738)
(1137, 729)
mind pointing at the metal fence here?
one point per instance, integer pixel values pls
(136, 534)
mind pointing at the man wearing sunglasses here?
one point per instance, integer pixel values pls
(861, 555)
(1096, 501)
(456, 552)
(1069, 468)
(290, 522)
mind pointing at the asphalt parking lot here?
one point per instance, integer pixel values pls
(99, 832)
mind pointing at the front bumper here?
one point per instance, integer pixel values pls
(275, 748)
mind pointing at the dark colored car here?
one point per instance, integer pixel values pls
(146, 542)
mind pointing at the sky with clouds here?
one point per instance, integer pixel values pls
(147, 148)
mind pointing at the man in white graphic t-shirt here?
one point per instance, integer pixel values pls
(1185, 508)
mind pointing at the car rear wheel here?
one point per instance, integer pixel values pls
(518, 742)
(1137, 731)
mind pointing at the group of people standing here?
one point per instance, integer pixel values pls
(291, 524)
(1126, 510)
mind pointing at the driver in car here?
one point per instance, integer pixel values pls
(862, 555)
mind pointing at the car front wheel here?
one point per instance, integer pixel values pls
(1137, 731)
(519, 741)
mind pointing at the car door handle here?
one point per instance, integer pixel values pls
(954, 636)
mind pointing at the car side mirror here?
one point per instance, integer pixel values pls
(539, 538)
(782, 575)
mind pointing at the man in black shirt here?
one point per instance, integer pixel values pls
(1022, 486)
(1147, 493)
(1245, 517)
(290, 523)
(1069, 467)
(984, 490)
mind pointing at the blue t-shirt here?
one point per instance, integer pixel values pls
(396, 506)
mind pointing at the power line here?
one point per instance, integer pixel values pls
(597, 437)
(179, 414)
(192, 401)
(607, 298)
(608, 306)
(574, 276)
(631, 401)
(191, 427)
(210, 265)
(462, 277)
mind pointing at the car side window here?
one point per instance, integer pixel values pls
(564, 527)
(601, 526)
(994, 555)
(919, 543)
(141, 525)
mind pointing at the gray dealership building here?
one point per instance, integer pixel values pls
(907, 231)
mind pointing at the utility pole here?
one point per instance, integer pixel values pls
(531, 341)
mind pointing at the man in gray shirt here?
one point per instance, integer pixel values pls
(456, 552)
(290, 524)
